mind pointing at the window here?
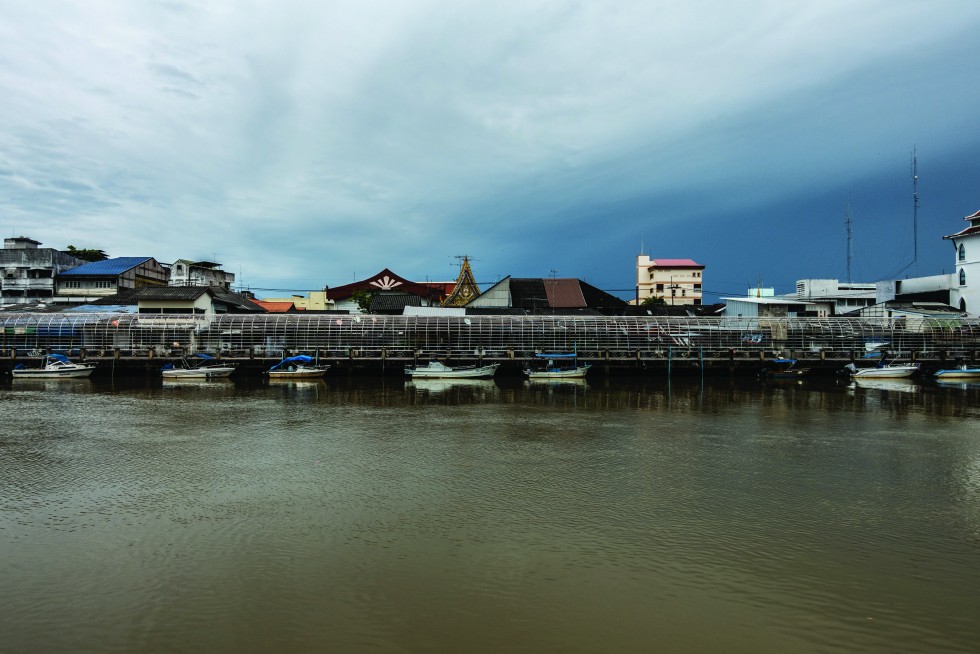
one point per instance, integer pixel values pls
(660, 288)
(962, 277)
(73, 285)
(962, 252)
(697, 288)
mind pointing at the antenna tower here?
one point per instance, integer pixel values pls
(850, 238)
(915, 211)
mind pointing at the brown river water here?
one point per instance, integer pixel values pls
(384, 516)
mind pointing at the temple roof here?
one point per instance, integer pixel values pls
(385, 280)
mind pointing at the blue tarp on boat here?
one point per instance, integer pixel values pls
(299, 358)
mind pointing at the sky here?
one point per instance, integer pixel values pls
(303, 143)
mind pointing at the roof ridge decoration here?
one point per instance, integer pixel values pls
(466, 288)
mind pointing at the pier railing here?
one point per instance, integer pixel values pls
(492, 337)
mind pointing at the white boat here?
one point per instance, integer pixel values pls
(207, 368)
(300, 366)
(883, 371)
(438, 370)
(963, 372)
(553, 370)
(55, 366)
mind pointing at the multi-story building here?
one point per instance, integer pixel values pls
(965, 291)
(675, 281)
(27, 272)
(99, 279)
(184, 272)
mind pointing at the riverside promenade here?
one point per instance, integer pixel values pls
(135, 344)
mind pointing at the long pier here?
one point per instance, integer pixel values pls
(133, 344)
(128, 365)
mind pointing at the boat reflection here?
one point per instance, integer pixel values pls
(899, 385)
(66, 384)
(961, 384)
(566, 382)
(436, 387)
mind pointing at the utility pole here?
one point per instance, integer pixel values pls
(915, 212)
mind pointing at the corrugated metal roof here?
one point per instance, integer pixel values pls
(102, 308)
(116, 266)
(170, 292)
(394, 302)
(676, 263)
(564, 293)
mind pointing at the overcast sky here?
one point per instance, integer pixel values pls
(308, 143)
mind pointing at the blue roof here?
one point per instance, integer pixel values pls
(116, 266)
(103, 308)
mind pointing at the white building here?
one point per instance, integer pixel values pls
(28, 272)
(818, 298)
(675, 281)
(184, 272)
(965, 287)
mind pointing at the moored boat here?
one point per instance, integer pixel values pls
(883, 371)
(553, 369)
(439, 370)
(54, 366)
(301, 366)
(963, 372)
(206, 368)
(784, 369)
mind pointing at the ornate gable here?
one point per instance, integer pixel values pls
(384, 282)
(465, 289)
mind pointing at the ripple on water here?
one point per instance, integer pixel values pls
(362, 517)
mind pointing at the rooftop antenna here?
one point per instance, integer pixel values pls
(460, 258)
(850, 238)
(915, 211)
(553, 273)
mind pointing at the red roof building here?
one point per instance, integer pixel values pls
(392, 286)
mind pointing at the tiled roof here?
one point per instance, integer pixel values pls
(275, 307)
(116, 266)
(564, 293)
(550, 294)
(966, 232)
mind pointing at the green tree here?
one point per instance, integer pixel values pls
(653, 300)
(363, 300)
(86, 254)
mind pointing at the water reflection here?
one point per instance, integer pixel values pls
(896, 385)
(391, 516)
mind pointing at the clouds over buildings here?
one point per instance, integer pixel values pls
(358, 135)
